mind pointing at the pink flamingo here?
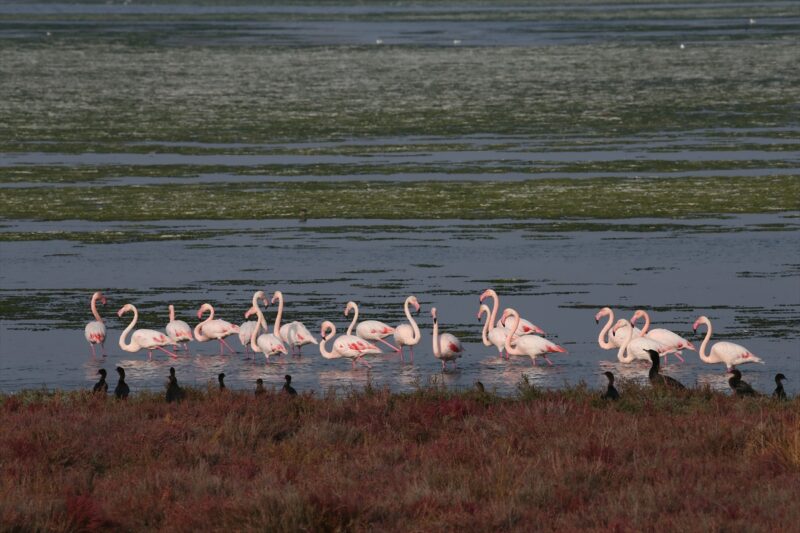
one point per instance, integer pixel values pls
(492, 335)
(212, 328)
(178, 330)
(674, 342)
(723, 352)
(347, 346)
(295, 334)
(531, 345)
(615, 339)
(445, 347)
(526, 327)
(267, 343)
(95, 331)
(245, 332)
(408, 334)
(370, 330)
(142, 338)
(635, 348)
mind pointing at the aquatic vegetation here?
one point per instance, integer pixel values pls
(427, 460)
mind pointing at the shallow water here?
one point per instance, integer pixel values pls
(741, 272)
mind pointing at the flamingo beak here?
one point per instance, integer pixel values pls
(103, 300)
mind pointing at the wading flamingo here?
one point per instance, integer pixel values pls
(245, 330)
(95, 331)
(147, 339)
(531, 345)
(346, 346)
(674, 342)
(267, 343)
(723, 352)
(295, 334)
(633, 349)
(178, 330)
(212, 328)
(492, 336)
(615, 340)
(526, 327)
(370, 330)
(408, 334)
(446, 347)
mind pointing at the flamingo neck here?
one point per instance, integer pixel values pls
(128, 346)
(621, 354)
(513, 331)
(198, 329)
(702, 352)
(277, 328)
(355, 319)
(601, 339)
(97, 316)
(414, 327)
(171, 313)
(495, 307)
(646, 316)
(254, 333)
(485, 333)
(322, 348)
(436, 348)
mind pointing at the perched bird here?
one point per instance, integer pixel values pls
(739, 386)
(174, 391)
(121, 391)
(779, 393)
(260, 390)
(287, 387)
(221, 379)
(479, 387)
(611, 392)
(656, 379)
(102, 387)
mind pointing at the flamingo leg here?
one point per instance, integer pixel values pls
(390, 345)
(548, 360)
(443, 368)
(363, 361)
(533, 361)
(94, 354)
(402, 359)
(678, 355)
(103, 348)
(149, 354)
(228, 346)
(353, 362)
(166, 352)
(411, 349)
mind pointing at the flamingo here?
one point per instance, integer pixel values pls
(95, 331)
(212, 328)
(267, 343)
(370, 330)
(615, 340)
(674, 342)
(245, 330)
(178, 330)
(142, 338)
(347, 346)
(295, 334)
(633, 349)
(408, 334)
(723, 352)
(445, 347)
(526, 327)
(531, 345)
(492, 335)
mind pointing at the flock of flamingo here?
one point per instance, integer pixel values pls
(510, 335)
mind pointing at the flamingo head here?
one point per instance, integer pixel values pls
(124, 309)
(413, 301)
(637, 315)
(103, 300)
(351, 306)
(250, 312)
(483, 309)
(621, 323)
(277, 295)
(601, 313)
(327, 329)
(486, 294)
(701, 320)
(506, 313)
(433, 313)
(203, 309)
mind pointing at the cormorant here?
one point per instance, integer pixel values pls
(611, 392)
(740, 387)
(101, 386)
(779, 393)
(260, 390)
(122, 390)
(656, 379)
(287, 387)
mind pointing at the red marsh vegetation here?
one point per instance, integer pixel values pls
(434, 460)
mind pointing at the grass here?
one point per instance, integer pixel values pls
(372, 460)
(546, 199)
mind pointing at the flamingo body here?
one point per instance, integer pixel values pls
(296, 335)
(446, 347)
(95, 331)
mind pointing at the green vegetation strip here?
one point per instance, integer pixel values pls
(548, 199)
